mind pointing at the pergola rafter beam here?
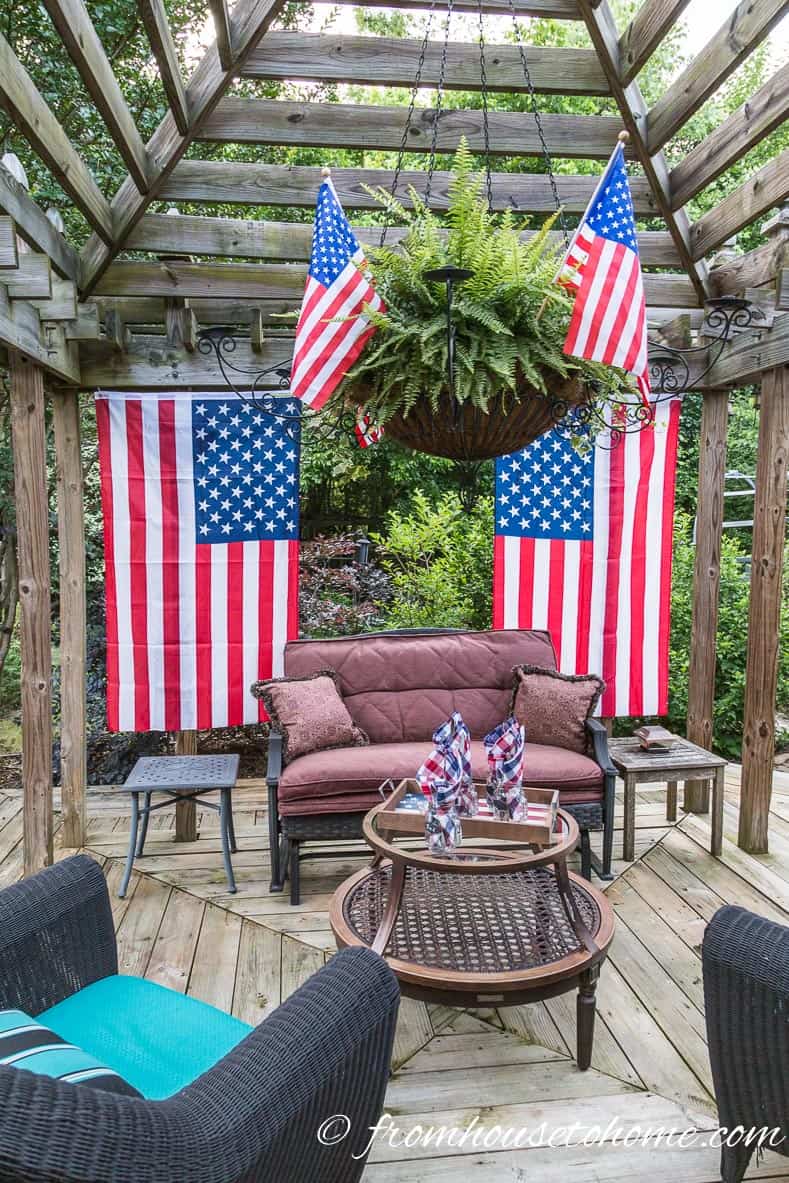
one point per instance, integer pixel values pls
(653, 20)
(272, 184)
(602, 29)
(747, 26)
(560, 10)
(71, 19)
(160, 37)
(275, 281)
(393, 61)
(751, 270)
(21, 330)
(730, 140)
(750, 354)
(377, 128)
(31, 115)
(148, 363)
(223, 32)
(251, 19)
(240, 238)
(35, 228)
(766, 188)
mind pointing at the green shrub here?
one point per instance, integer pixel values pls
(440, 562)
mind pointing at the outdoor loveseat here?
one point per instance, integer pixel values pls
(398, 687)
(254, 1115)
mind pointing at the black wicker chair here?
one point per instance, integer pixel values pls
(254, 1116)
(746, 994)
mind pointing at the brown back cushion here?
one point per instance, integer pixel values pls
(554, 707)
(399, 688)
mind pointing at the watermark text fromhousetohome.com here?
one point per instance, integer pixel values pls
(476, 1136)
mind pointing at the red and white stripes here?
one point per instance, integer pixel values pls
(190, 626)
(606, 601)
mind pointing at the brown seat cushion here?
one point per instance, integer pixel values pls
(346, 780)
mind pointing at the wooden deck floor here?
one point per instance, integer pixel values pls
(512, 1067)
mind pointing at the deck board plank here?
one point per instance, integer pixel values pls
(513, 1067)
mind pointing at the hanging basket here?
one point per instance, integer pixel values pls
(464, 432)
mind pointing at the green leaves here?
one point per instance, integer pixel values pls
(510, 317)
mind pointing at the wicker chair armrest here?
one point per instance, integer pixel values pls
(254, 1116)
(599, 737)
(746, 990)
(275, 759)
(56, 935)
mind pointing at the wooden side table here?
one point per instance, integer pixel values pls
(682, 761)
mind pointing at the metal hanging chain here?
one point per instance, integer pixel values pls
(410, 113)
(535, 110)
(442, 71)
(484, 82)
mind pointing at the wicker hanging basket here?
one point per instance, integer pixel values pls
(464, 432)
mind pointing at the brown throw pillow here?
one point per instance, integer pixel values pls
(310, 713)
(554, 707)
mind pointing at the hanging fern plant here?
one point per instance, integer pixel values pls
(510, 320)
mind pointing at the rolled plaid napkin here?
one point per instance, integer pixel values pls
(441, 779)
(504, 746)
(453, 742)
(442, 824)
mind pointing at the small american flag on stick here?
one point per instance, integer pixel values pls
(602, 266)
(367, 432)
(332, 328)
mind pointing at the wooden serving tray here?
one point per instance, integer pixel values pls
(539, 829)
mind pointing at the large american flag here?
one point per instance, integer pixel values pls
(602, 266)
(583, 549)
(327, 342)
(200, 498)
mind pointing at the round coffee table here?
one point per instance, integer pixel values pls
(482, 927)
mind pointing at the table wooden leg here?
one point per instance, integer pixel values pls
(671, 801)
(696, 796)
(717, 811)
(186, 820)
(586, 1007)
(186, 810)
(629, 836)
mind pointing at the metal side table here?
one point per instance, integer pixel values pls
(180, 778)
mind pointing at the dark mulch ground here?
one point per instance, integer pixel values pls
(10, 773)
(112, 757)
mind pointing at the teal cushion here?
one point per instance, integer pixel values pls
(27, 1044)
(157, 1040)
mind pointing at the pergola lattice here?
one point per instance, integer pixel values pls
(81, 320)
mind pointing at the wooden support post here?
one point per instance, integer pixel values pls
(761, 674)
(706, 585)
(73, 617)
(186, 811)
(28, 434)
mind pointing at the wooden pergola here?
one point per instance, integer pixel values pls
(72, 321)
